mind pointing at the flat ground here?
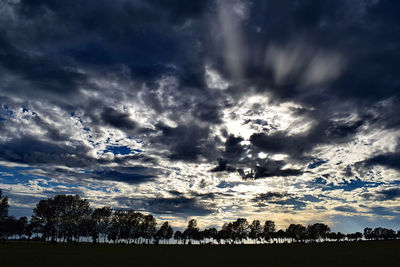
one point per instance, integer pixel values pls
(371, 253)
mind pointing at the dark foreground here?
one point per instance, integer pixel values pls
(371, 253)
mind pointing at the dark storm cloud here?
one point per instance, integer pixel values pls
(283, 199)
(41, 73)
(388, 160)
(117, 119)
(186, 142)
(223, 166)
(383, 195)
(385, 211)
(345, 208)
(49, 155)
(269, 196)
(267, 171)
(233, 160)
(270, 168)
(30, 150)
(179, 206)
(371, 53)
(391, 160)
(296, 145)
(207, 113)
(333, 58)
(130, 175)
(143, 35)
(184, 207)
(232, 153)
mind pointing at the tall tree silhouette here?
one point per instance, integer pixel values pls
(240, 229)
(20, 226)
(178, 236)
(317, 231)
(192, 231)
(165, 232)
(148, 227)
(3, 216)
(368, 233)
(268, 230)
(296, 232)
(226, 233)
(61, 216)
(209, 234)
(3, 206)
(100, 219)
(256, 231)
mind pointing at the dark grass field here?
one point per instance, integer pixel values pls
(371, 253)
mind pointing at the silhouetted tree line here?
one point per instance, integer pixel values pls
(67, 218)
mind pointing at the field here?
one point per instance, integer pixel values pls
(371, 253)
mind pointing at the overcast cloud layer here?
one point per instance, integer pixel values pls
(281, 110)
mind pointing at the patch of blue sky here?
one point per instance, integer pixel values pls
(224, 184)
(118, 150)
(6, 112)
(13, 175)
(346, 185)
(17, 175)
(297, 204)
(310, 198)
(397, 182)
(317, 163)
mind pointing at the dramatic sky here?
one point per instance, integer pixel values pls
(280, 110)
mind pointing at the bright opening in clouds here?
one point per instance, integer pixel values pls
(214, 110)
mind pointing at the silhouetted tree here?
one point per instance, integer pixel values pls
(280, 235)
(120, 228)
(209, 234)
(100, 220)
(354, 236)
(256, 231)
(212, 233)
(383, 233)
(165, 232)
(148, 227)
(192, 231)
(3, 206)
(61, 216)
(368, 233)
(29, 230)
(3, 216)
(226, 233)
(296, 232)
(19, 226)
(240, 229)
(169, 234)
(268, 230)
(8, 227)
(317, 231)
(178, 236)
(332, 236)
(340, 236)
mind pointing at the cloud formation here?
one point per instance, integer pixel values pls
(128, 101)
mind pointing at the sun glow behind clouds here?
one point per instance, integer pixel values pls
(258, 114)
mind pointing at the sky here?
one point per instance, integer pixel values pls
(214, 110)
